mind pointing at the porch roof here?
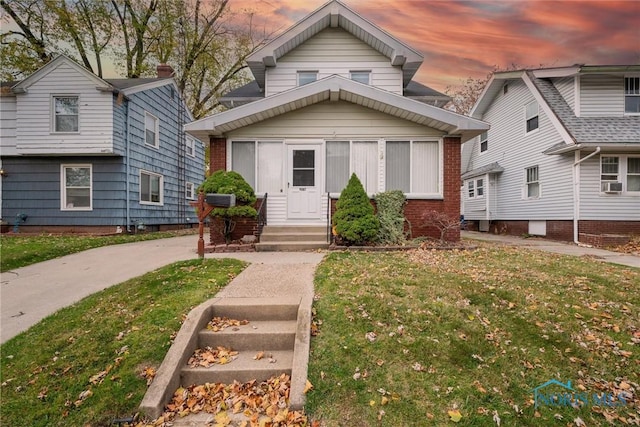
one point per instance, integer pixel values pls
(337, 88)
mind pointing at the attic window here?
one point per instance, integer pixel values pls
(306, 77)
(632, 95)
(531, 116)
(361, 76)
(484, 141)
(65, 113)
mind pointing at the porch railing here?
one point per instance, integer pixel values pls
(262, 216)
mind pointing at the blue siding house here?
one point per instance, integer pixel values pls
(85, 154)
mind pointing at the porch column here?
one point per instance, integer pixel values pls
(217, 153)
(451, 190)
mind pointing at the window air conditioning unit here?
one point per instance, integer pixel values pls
(221, 200)
(612, 187)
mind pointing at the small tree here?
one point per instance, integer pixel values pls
(230, 182)
(442, 221)
(390, 206)
(354, 221)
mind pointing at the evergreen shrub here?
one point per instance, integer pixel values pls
(354, 221)
(390, 207)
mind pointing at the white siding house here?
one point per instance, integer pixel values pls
(338, 91)
(558, 137)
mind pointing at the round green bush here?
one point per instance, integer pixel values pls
(229, 182)
(354, 220)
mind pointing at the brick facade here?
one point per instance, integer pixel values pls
(217, 154)
(243, 227)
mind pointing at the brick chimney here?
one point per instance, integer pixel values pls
(164, 70)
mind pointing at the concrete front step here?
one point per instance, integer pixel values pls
(320, 237)
(290, 246)
(256, 309)
(243, 369)
(294, 229)
(267, 335)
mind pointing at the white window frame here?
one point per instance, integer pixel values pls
(63, 187)
(631, 91)
(306, 73)
(528, 117)
(54, 115)
(484, 138)
(528, 184)
(160, 187)
(156, 130)
(190, 146)
(356, 75)
(190, 191)
(475, 187)
(412, 194)
(622, 174)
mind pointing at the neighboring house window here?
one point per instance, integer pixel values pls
(633, 174)
(65, 113)
(609, 172)
(361, 76)
(531, 116)
(190, 190)
(151, 188)
(190, 147)
(306, 77)
(484, 142)
(76, 188)
(632, 95)
(619, 173)
(151, 130)
(475, 188)
(412, 166)
(532, 182)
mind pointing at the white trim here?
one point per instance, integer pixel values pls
(64, 205)
(190, 187)
(576, 96)
(624, 99)
(161, 188)
(190, 144)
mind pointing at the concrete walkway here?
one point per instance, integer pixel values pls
(31, 293)
(556, 247)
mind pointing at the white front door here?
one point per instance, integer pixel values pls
(304, 181)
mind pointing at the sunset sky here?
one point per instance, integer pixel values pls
(461, 39)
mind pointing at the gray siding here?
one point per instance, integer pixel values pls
(566, 87)
(601, 96)
(595, 205)
(514, 151)
(33, 188)
(8, 125)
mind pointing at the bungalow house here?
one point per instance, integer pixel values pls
(85, 154)
(562, 157)
(334, 95)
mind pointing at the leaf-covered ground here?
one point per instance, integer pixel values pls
(92, 362)
(445, 337)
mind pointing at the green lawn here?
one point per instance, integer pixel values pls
(84, 364)
(472, 333)
(22, 250)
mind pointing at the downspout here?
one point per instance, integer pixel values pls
(127, 139)
(576, 191)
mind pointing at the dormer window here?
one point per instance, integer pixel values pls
(65, 111)
(632, 95)
(306, 77)
(361, 76)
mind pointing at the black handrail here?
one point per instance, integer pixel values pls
(329, 233)
(262, 217)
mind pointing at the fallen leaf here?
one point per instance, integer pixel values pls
(454, 415)
(308, 387)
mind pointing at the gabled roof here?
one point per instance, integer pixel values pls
(337, 88)
(582, 131)
(335, 14)
(24, 85)
(491, 168)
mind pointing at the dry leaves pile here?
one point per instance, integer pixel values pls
(217, 324)
(250, 404)
(205, 357)
(633, 247)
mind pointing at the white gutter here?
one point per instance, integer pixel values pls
(576, 190)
